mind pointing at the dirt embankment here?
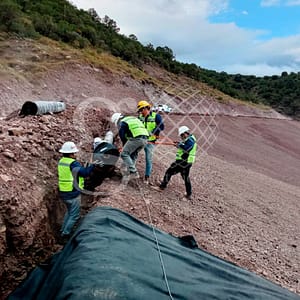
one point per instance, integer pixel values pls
(245, 205)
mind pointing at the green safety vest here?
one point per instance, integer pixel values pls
(150, 124)
(192, 152)
(136, 127)
(65, 176)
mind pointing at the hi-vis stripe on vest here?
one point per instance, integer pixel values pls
(136, 127)
(150, 124)
(192, 153)
(65, 176)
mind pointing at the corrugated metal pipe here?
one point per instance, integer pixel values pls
(41, 107)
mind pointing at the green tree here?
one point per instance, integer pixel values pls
(44, 24)
(110, 23)
(10, 13)
(133, 37)
(165, 53)
(92, 12)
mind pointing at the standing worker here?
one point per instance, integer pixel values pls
(134, 137)
(185, 157)
(153, 122)
(70, 185)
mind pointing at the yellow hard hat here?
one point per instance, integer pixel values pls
(142, 104)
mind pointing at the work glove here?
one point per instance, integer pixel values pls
(98, 163)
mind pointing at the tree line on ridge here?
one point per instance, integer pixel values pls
(61, 20)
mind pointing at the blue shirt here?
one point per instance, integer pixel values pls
(77, 170)
(159, 124)
(187, 146)
(124, 132)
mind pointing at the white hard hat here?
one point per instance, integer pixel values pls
(109, 137)
(115, 118)
(183, 129)
(68, 147)
(97, 141)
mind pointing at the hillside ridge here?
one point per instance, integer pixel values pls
(47, 70)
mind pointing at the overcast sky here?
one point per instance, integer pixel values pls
(257, 37)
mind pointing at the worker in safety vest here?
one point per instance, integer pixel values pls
(134, 137)
(70, 185)
(185, 157)
(153, 122)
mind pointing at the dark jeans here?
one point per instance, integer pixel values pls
(98, 175)
(183, 168)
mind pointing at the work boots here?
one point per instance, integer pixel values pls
(146, 180)
(131, 176)
(134, 175)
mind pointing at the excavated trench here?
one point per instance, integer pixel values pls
(17, 261)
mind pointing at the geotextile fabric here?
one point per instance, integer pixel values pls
(113, 255)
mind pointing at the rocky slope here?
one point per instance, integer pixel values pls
(245, 207)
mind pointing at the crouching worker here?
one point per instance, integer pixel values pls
(185, 157)
(105, 157)
(70, 185)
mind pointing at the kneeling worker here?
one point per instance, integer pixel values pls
(105, 157)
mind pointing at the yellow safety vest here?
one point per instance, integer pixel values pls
(192, 153)
(65, 176)
(150, 124)
(136, 127)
